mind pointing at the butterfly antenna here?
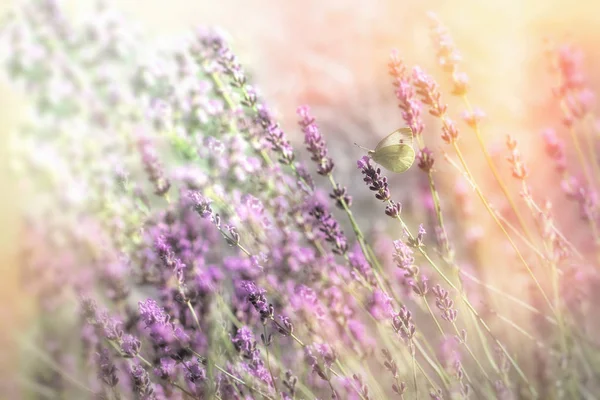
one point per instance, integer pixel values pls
(364, 148)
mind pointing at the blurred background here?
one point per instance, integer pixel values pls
(332, 55)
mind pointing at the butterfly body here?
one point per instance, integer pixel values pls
(395, 152)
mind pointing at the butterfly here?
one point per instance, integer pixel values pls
(395, 151)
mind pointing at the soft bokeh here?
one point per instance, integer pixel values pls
(332, 55)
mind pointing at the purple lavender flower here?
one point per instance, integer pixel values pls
(165, 369)
(112, 327)
(393, 209)
(243, 339)
(341, 196)
(142, 385)
(153, 167)
(151, 313)
(330, 227)
(201, 204)
(373, 179)
(280, 144)
(168, 257)
(130, 346)
(425, 160)
(315, 144)
(256, 296)
(107, 371)
(313, 362)
(195, 373)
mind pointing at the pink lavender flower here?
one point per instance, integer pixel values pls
(411, 109)
(403, 325)
(569, 63)
(404, 255)
(519, 170)
(448, 56)
(473, 118)
(425, 160)
(429, 92)
(555, 149)
(444, 303)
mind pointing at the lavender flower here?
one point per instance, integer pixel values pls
(425, 160)
(393, 209)
(519, 171)
(153, 167)
(256, 296)
(448, 56)
(444, 303)
(130, 346)
(373, 179)
(428, 91)
(142, 385)
(341, 197)
(315, 144)
(411, 110)
(329, 226)
(403, 325)
(107, 371)
(324, 300)
(201, 204)
(555, 149)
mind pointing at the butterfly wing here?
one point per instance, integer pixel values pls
(396, 158)
(399, 136)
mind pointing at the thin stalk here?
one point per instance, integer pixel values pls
(149, 364)
(591, 145)
(266, 338)
(508, 224)
(242, 382)
(414, 370)
(472, 310)
(510, 240)
(588, 120)
(53, 365)
(448, 256)
(433, 316)
(495, 173)
(483, 371)
(341, 367)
